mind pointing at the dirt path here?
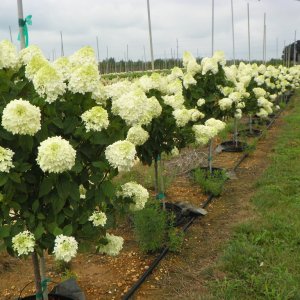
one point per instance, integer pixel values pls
(188, 273)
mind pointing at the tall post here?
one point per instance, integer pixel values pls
(295, 48)
(106, 59)
(232, 25)
(21, 20)
(276, 48)
(150, 35)
(212, 26)
(10, 35)
(144, 58)
(264, 39)
(284, 54)
(249, 45)
(177, 58)
(62, 53)
(98, 54)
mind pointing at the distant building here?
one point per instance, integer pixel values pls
(288, 52)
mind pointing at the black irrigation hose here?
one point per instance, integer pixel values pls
(165, 250)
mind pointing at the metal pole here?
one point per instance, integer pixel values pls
(265, 34)
(276, 48)
(150, 36)
(212, 26)
(232, 24)
(144, 58)
(98, 54)
(21, 20)
(62, 53)
(295, 50)
(106, 59)
(249, 47)
(11, 40)
(177, 60)
(284, 54)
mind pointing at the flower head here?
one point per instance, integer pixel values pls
(136, 192)
(23, 243)
(65, 248)
(6, 159)
(56, 155)
(98, 218)
(121, 155)
(21, 117)
(114, 245)
(95, 119)
(137, 135)
(8, 55)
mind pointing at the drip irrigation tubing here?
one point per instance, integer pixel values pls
(165, 250)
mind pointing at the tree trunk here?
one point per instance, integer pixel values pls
(210, 156)
(44, 277)
(250, 124)
(37, 276)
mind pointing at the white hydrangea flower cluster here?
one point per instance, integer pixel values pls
(119, 88)
(175, 101)
(8, 55)
(190, 63)
(6, 156)
(65, 247)
(135, 108)
(121, 155)
(114, 245)
(209, 64)
(137, 135)
(176, 72)
(63, 66)
(37, 62)
(175, 152)
(225, 104)
(23, 243)
(259, 92)
(56, 155)
(99, 94)
(84, 79)
(95, 119)
(183, 116)
(219, 57)
(98, 218)
(21, 117)
(188, 80)
(238, 113)
(265, 107)
(145, 83)
(204, 133)
(174, 87)
(49, 83)
(26, 54)
(200, 102)
(83, 56)
(136, 192)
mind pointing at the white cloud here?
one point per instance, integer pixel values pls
(119, 22)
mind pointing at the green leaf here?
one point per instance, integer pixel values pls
(108, 189)
(57, 231)
(38, 232)
(58, 204)
(74, 191)
(67, 230)
(3, 178)
(46, 186)
(63, 187)
(35, 205)
(15, 177)
(4, 231)
(26, 142)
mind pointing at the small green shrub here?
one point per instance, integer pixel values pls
(210, 183)
(155, 228)
(150, 226)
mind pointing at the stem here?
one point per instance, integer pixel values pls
(250, 124)
(156, 175)
(235, 135)
(37, 275)
(43, 275)
(162, 184)
(210, 155)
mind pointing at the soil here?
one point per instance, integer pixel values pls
(179, 276)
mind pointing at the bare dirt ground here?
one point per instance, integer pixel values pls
(179, 276)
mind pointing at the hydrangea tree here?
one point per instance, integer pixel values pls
(60, 148)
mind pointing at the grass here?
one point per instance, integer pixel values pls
(262, 261)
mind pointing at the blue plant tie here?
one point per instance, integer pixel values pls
(160, 196)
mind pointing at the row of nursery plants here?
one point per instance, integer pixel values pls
(66, 134)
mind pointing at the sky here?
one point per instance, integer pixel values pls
(119, 23)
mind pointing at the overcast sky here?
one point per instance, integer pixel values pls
(119, 23)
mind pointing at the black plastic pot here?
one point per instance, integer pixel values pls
(176, 210)
(254, 133)
(50, 297)
(231, 146)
